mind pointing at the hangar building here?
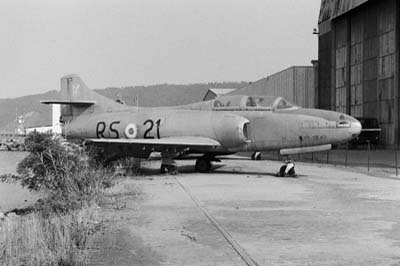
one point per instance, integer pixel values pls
(359, 61)
(296, 84)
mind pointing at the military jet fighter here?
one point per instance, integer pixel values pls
(226, 125)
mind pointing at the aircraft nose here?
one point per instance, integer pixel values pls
(355, 128)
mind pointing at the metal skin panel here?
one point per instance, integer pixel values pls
(248, 129)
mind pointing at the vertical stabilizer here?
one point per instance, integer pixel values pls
(77, 99)
(73, 89)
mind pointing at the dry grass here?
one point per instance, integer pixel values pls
(124, 191)
(56, 240)
(124, 187)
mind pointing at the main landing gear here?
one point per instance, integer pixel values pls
(204, 165)
(287, 170)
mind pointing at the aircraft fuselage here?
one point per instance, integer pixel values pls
(235, 130)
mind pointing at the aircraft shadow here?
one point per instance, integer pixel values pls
(254, 174)
(216, 170)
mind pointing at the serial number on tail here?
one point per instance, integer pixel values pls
(104, 131)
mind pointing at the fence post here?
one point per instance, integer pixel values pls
(395, 158)
(327, 156)
(369, 149)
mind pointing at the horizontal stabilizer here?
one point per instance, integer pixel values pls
(305, 149)
(168, 141)
(81, 103)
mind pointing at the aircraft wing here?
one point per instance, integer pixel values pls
(161, 144)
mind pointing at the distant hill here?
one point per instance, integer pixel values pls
(165, 94)
(36, 114)
(29, 106)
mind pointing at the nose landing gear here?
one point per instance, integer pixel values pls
(287, 170)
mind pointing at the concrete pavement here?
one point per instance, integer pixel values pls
(327, 216)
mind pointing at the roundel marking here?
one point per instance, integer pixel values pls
(131, 131)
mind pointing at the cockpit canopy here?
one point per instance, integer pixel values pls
(241, 102)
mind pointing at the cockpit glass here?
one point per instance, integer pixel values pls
(228, 101)
(250, 102)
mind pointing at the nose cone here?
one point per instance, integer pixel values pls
(355, 128)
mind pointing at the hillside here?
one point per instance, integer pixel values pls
(36, 114)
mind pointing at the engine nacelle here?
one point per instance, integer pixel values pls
(231, 130)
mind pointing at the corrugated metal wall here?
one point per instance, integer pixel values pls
(296, 84)
(363, 64)
(386, 68)
(325, 71)
(341, 64)
(356, 65)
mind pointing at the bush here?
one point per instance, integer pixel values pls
(63, 171)
(59, 229)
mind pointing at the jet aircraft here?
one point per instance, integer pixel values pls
(226, 125)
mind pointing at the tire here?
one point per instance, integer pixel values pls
(256, 156)
(281, 172)
(292, 172)
(203, 165)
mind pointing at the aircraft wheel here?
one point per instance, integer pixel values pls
(256, 156)
(292, 172)
(281, 172)
(203, 165)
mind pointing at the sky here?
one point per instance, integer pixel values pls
(118, 43)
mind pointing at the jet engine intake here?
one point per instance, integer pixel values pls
(232, 130)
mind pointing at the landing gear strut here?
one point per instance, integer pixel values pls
(168, 166)
(168, 169)
(203, 164)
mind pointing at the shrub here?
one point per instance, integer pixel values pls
(63, 171)
(59, 232)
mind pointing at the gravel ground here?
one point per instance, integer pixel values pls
(326, 216)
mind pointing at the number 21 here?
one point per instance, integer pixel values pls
(150, 124)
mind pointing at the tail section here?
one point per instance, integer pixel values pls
(76, 98)
(74, 89)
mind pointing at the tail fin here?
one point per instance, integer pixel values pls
(76, 98)
(75, 90)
